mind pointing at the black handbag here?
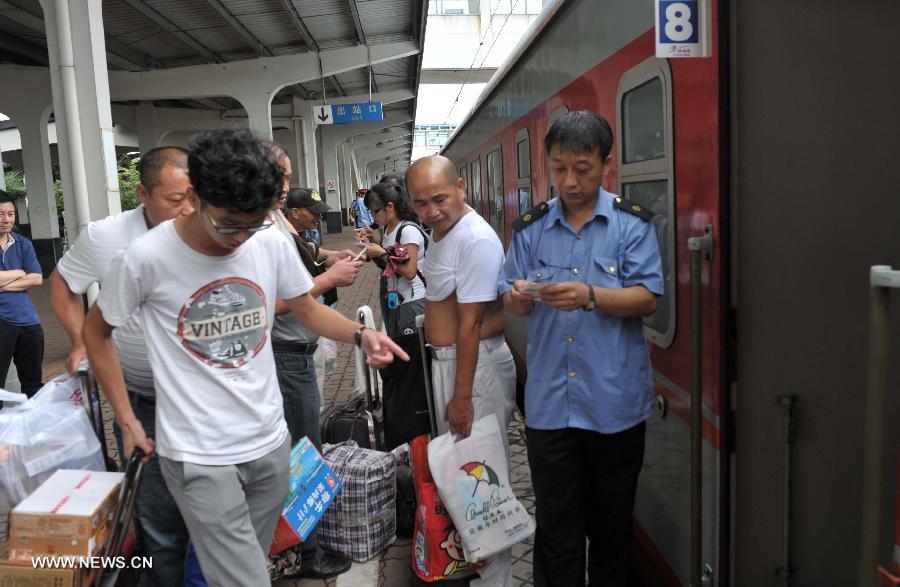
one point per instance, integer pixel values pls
(405, 404)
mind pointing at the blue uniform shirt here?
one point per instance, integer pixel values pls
(15, 306)
(586, 370)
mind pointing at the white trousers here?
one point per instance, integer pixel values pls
(493, 392)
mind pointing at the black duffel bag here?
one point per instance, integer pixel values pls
(405, 407)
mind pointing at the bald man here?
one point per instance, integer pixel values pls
(473, 373)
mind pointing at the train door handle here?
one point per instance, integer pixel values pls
(882, 278)
(700, 248)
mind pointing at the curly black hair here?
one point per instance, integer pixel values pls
(231, 169)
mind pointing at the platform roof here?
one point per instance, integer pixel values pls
(145, 35)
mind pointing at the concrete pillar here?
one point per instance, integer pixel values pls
(305, 135)
(148, 133)
(332, 193)
(39, 180)
(87, 145)
(258, 105)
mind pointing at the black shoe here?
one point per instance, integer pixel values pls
(329, 566)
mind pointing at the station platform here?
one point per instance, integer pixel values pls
(393, 567)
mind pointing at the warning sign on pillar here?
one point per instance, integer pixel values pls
(331, 185)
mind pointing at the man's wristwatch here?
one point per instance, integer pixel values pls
(357, 336)
(591, 303)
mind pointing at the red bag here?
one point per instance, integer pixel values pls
(437, 548)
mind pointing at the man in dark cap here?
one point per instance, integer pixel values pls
(295, 345)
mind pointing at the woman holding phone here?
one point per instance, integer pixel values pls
(402, 286)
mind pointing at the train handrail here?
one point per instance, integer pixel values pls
(882, 278)
(697, 245)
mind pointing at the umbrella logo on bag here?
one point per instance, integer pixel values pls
(482, 474)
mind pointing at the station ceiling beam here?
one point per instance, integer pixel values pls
(174, 29)
(117, 53)
(239, 77)
(298, 23)
(354, 10)
(240, 29)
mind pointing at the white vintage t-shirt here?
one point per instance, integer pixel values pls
(88, 261)
(410, 289)
(208, 323)
(467, 260)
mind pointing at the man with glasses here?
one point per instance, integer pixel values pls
(164, 195)
(206, 286)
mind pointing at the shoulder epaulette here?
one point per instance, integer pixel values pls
(528, 217)
(628, 206)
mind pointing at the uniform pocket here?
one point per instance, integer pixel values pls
(605, 272)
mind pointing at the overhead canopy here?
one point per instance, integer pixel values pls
(143, 35)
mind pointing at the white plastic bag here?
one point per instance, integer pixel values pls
(329, 354)
(39, 437)
(472, 478)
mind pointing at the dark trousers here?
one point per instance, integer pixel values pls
(584, 486)
(300, 395)
(23, 345)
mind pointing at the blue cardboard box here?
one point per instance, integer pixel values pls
(313, 487)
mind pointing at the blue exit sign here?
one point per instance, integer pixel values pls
(361, 112)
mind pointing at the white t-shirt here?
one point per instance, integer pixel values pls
(208, 325)
(467, 260)
(410, 289)
(88, 261)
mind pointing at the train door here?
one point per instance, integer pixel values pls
(495, 191)
(678, 511)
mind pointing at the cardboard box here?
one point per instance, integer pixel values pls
(20, 576)
(313, 488)
(69, 515)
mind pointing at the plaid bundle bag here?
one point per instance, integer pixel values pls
(362, 520)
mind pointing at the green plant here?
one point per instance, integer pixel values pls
(129, 180)
(15, 184)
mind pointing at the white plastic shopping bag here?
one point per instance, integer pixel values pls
(472, 478)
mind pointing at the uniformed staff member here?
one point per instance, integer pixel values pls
(585, 269)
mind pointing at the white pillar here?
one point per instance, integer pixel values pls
(77, 54)
(332, 193)
(305, 133)
(148, 132)
(36, 161)
(258, 105)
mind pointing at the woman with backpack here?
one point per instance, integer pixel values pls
(400, 254)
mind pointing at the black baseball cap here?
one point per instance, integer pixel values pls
(306, 198)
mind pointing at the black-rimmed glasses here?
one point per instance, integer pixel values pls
(230, 230)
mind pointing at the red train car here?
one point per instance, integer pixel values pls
(779, 147)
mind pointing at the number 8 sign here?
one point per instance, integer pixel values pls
(681, 29)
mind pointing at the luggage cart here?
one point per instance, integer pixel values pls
(115, 545)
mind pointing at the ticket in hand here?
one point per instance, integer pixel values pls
(532, 289)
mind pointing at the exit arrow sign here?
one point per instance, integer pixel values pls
(322, 114)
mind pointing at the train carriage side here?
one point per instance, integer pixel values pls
(781, 149)
(599, 56)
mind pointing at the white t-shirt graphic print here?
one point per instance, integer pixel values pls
(207, 322)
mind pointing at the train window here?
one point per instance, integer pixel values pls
(523, 170)
(475, 169)
(495, 192)
(463, 173)
(646, 172)
(644, 133)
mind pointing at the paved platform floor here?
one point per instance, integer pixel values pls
(393, 567)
